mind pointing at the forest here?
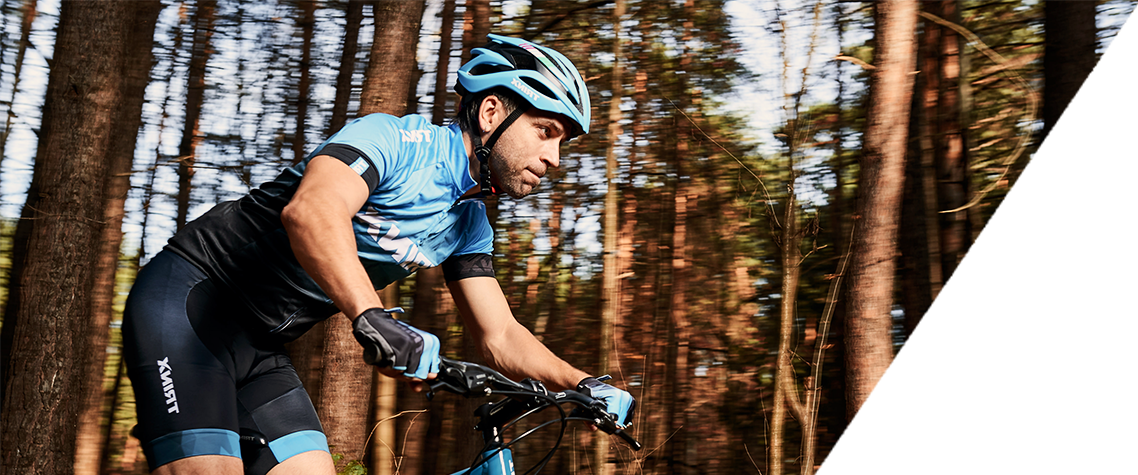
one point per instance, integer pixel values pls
(772, 195)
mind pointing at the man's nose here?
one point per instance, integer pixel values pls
(552, 158)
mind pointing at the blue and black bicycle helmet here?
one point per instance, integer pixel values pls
(542, 77)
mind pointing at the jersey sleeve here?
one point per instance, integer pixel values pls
(368, 145)
(474, 255)
(357, 160)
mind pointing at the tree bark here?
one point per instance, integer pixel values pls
(869, 348)
(343, 404)
(307, 21)
(65, 212)
(138, 59)
(610, 295)
(442, 70)
(195, 95)
(392, 58)
(307, 352)
(1072, 425)
(353, 16)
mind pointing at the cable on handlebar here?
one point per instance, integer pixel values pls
(471, 380)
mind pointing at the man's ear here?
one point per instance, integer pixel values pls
(489, 113)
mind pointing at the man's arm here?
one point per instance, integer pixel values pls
(318, 220)
(506, 345)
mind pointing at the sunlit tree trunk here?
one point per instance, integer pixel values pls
(65, 210)
(869, 348)
(1072, 424)
(610, 294)
(120, 158)
(195, 96)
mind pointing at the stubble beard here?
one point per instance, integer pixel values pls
(507, 178)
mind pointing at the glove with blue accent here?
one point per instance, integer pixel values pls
(620, 404)
(391, 343)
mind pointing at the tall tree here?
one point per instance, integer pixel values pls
(869, 346)
(610, 295)
(353, 16)
(135, 77)
(343, 405)
(307, 352)
(307, 13)
(442, 70)
(65, 211)
(1072, 426)
(195, 96)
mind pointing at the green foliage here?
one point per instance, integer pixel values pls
(353, 467)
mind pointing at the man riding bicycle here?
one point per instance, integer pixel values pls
(207, 317)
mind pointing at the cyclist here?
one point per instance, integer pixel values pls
(207, 317)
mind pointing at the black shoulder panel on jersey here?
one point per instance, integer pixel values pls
(349, 155)
(468, 265)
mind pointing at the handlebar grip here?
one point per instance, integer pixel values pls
(628, 439)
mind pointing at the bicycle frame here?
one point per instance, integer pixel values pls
(501, 462)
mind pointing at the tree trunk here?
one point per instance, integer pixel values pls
(869, 348)
(66, 209)
(610, 295)
(307, 352)
(27, 16)
(307, 21)
(353, 16)
(442, 70)
(345, 392)
(344, 402)
(195, 95)
(135, 77)
(392, 58)
(477, 20)
(1072, 425)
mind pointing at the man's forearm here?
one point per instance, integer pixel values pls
(518, 354)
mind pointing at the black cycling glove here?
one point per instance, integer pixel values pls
(390, 342)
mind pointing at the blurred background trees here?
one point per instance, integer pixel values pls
(712, 244)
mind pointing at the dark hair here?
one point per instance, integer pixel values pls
(467, 117)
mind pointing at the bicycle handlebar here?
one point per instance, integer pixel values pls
(474, 380)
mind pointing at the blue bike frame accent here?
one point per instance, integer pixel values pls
(501, 462)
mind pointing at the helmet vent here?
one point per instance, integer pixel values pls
(540, 88)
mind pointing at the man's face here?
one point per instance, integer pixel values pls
(525, 151)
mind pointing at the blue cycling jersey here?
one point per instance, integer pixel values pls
(413, 218)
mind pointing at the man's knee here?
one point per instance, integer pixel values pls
(202, 464)
(317, 462)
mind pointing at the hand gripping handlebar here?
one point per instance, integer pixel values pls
(525, 397)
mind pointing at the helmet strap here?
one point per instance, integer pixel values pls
(483, 151)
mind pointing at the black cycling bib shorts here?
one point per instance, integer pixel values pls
(202, 382)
